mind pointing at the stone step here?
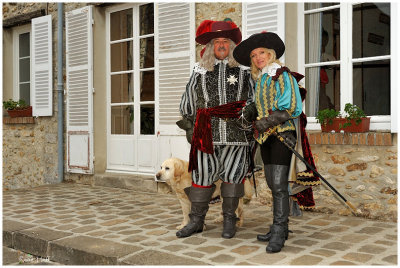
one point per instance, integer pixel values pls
(142, 183)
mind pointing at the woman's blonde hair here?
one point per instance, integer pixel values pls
(255, 71)
(208, 59)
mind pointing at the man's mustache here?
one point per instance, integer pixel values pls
(221, 49)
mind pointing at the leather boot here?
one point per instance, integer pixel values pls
(266, 237)
(199, 198)
(230, 199)
(277, 180)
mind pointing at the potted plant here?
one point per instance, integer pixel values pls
(354, 120)
(17, 108)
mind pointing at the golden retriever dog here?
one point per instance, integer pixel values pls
(175, 173)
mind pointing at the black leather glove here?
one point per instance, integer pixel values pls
(289, 137)
(249, 112)
(274, 119)
(187, 125)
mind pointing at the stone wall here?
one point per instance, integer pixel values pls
(365, 175)
(30, 150)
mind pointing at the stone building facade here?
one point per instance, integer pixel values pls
(363, 167)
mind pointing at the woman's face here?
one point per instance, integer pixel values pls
(260, 58)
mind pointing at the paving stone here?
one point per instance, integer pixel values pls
(174, 248)
(150, 243)
(209, 234)
(336, 246)
(230, 242)
(306, 260)
(291, 249)
(320, 236)
(194, 254)
(66, 227)
(154, 257)
(10, 256)
(135, 238)
(354, 238)
(267, 259)
(383, 242)
(357, 257)
(210, 249)
(373, 249)
(223, 258)
(194, 240)
(152, 226)
(323, 252)
(391, 237)
(84, 250)
(129, 232)
(369, 230)
(98, 233)
(246, 236)
(319, 222)
(392, 259)
(85, 229)
(113, 222)
(342, 263)
(336, 229)
(304, 242)
(157, 232)
(245, 250)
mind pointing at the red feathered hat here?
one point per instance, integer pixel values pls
(209, 29)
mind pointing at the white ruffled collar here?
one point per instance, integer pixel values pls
(270, 69)
(224, 61)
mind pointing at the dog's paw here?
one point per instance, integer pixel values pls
(220, 218)
(239, 223)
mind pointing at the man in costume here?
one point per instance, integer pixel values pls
(218, 88)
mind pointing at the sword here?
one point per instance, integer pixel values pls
(315, 172)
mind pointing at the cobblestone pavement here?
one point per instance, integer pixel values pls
(80, 224)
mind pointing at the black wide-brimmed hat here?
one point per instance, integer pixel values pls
(265, 39)
(209, 29)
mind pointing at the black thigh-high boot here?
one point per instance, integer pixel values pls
(200, 197)
(230, 192)
(277, 180)
(268, 176)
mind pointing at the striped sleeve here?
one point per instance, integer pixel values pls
(187, 106)
(288, 95)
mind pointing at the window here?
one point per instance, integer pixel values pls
(132, 70)
(347, 58)
(22, 63)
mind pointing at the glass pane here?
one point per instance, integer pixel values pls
(122, 119)
(147, 86)
(24, 70)
(121, 25)
(122, 88)
(147, 52)
(121, 56)
(371, 30)
(322, 36)
(24, 47)
(309, 6)
(323, 89)
(146, 19)
(371, 87)
(25, 92)
(147, 119)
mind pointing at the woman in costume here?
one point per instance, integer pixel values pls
(277, 103)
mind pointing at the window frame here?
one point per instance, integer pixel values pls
(378, 122)
(17, 31)
(135, 71)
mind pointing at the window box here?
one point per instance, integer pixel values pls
(20, 113)
(338, 123)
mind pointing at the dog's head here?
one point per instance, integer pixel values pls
(171, 169)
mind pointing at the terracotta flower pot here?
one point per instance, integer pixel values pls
(20, 113)
(338, 124)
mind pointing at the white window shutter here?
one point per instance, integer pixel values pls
(79, 90)
(263, 16)
(42, 67)
(175, 30)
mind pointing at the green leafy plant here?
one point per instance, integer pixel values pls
(352, 112)
(326, 116)
(15, 105)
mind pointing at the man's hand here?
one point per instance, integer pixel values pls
(187, 125)
(249, 112)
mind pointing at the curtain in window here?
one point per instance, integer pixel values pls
(314, 52)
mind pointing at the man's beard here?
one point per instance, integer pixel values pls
(221, 52)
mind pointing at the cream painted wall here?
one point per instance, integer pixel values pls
(7, 64)
(291, 36)
(100, 86)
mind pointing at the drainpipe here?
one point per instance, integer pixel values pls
(60, 91)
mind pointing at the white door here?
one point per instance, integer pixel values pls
(131, 109)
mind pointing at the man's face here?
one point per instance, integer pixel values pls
(221, 48)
